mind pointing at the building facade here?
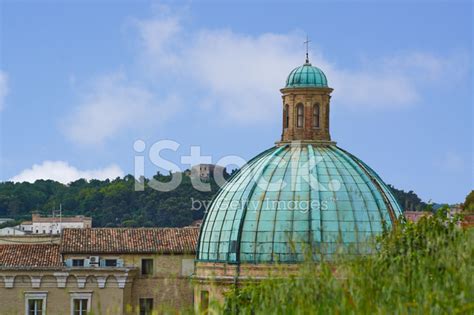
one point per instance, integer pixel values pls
(54, 225)
(11, 231)
(206, 171)
(415, 216)
(104, 271)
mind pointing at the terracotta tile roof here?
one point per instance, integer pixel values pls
(130, 240)
(30, 256)
(415, 216)
(468, 221)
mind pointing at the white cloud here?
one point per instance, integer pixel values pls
(63, 172)
(240, 74)
(3, 88)
(428, 67)
(112, 105)
(159, 35)
(395, 81)
(372, 89)
(235, 78)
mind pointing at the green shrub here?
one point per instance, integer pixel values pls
(422, 268)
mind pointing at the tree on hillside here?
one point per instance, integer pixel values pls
(115, 203)
(409, 201)
(469, 202)
(110, 203)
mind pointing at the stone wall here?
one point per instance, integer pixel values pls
(113, 290)
(217, 278)
(109, 291)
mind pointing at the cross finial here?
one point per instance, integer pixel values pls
(307, 48)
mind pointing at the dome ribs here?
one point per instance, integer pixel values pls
(240, 236)
(262, 199)
(245, 207)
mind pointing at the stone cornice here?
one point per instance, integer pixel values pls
(298, 143)
(123, 276)
(306, 90)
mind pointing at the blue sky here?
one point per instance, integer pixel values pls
(81, 81)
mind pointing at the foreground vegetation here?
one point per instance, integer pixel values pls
(423, 268)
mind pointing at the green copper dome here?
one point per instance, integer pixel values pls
(289, 196)
(306, 76)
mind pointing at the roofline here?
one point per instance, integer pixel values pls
(133, 228)
(309, 89)
(125, 253)
(65, 268)
(30, 268)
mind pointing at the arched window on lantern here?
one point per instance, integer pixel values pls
(299, 115)
(286, 116)
(316, 111)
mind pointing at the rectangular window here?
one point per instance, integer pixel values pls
(80, 303)
(80, 306)
(147, 266)
(316, 110)
(204, 301)
(78, 262)
(111, 263)
(35, 303)
(146, 306)
(299, 116)
(35, 307)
